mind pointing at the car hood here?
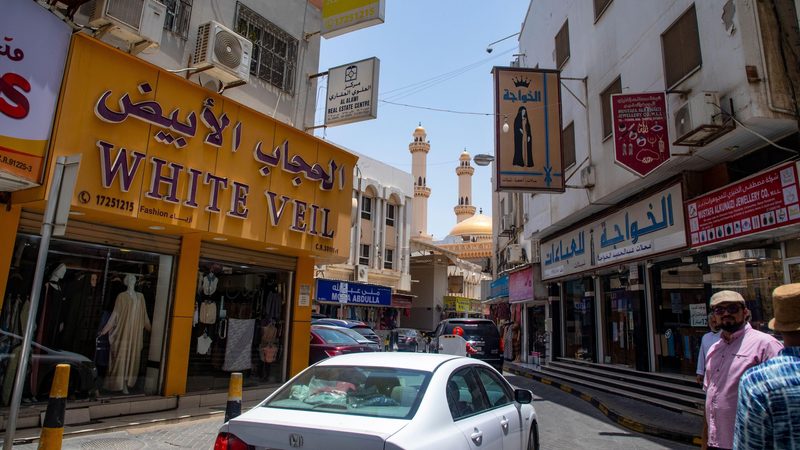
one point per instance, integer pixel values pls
(276, 428)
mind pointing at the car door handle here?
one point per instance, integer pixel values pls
(477, 436)
(504, 424)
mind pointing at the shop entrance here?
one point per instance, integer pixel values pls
(579, 320)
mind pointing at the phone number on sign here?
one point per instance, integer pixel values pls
(113, 202)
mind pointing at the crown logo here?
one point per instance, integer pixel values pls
(521, 82)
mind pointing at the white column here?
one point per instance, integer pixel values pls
(357, 238)
(376, 227)
(399, 230)
(382, 242)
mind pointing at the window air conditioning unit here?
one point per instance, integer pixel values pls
(514, 254)
(222, 54)
(507, 224)
(362, 273)
(700, 120)
(140, 23)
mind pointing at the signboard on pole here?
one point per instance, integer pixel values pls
(352, 92)
(344, 16)
(641, 143)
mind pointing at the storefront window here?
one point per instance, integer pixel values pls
(102, 310)
(239, 326)
(537, 334)
(625, 331)
(579, 318)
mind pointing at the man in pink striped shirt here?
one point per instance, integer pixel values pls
(740, 348)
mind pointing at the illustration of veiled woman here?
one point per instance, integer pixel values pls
(522, 137)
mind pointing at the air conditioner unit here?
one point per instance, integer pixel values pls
(507, 224)
(588, 178)
(222, 54)
(362, 273)
(137, 22)
(700, 120)
(514, 254)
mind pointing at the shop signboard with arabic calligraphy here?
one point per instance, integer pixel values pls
(32, 56)
(352, 92)
(641, 143)
(647, 227)
(528, 156)
(344, 16)
(520, 285)
(349, 293)
(759, 203)
(161, 151)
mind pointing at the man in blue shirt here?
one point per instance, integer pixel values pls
(769, 394)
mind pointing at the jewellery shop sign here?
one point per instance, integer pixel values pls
(166, 151)
(349, 293)
(648, 227)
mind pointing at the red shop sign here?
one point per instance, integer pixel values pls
(759, 203)
(641, 143)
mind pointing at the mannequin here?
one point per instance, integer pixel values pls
(209, 284)
(50, 317)
(126, 325)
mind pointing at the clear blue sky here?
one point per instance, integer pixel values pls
(432, 55)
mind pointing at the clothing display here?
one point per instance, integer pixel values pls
(208, 312)
(126, 326)
(239, 345)
(204, 344)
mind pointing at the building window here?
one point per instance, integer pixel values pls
(388, 262)
(366, 208)
(600, 7)
(605, 101)
(562, 45)
(681, 47)
(177, 17)
(363, 258)
(274, 55)
(390, 211)
(568, 144)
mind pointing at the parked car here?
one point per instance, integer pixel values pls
(360, 338)
(481, 334)
(327, 341)
(82, 373)
(371, 401)
(409, 340)
(357, 325)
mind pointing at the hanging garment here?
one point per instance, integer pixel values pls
(204, 344)
(239, 344)
(208, 312)
(127, 324)
(269, 333)
(269, 353)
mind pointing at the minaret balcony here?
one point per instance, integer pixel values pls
(416, 147)
(468, 170)
(422, 191)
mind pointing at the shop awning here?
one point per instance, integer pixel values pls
(417, 245)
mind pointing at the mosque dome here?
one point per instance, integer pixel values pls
(465, 156)
(477, 225)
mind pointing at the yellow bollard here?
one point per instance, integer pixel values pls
(53, 426)
(234, 406)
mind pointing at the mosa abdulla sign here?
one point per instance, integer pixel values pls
(32, 56)
(350, 293)
(352, 92)
(641, 143)
(528, 157)
(344, 16)
(759, 203)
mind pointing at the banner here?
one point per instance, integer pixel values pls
(528, 153)
(350, 293)
(344, 16)
(641, 143)
(520, 285)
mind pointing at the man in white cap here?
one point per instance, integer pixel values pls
(769, 394)
(740, 348)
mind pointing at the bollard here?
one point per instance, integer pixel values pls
(234, 406)
(53, 426)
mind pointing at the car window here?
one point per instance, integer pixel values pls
(334, 336)
(464, 394)
(497, 391)
(353, 334)
(364, 331)
(474, 330)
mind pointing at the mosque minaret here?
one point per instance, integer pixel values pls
(419, 149)
(464, 209)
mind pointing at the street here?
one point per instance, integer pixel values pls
(565, 422)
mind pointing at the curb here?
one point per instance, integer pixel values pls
(639, 427)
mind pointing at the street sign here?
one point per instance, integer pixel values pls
(641, 143)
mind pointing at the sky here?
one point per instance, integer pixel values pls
(432, 57)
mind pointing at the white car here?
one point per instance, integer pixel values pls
(389, 401)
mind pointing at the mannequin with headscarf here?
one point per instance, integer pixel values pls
(126, 326)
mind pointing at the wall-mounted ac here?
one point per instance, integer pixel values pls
(514, 254)
(700, 120)
(222, 54)
(362, 273)
(140, 23)
(507, 224)
(588, 178)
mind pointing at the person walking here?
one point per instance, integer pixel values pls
(706, 342)
(769, 394)
(740, 347)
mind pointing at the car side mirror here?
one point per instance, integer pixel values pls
(523, 396)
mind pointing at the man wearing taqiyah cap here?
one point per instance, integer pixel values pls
(739, 348)
(769, 394)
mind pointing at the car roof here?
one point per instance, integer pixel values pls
(340, 322)
(427, 362)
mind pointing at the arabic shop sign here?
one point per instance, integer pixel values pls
(759, 203)
(520, 285)
(641, 143)
(499, 287)
(349, 293)
(162, 150)
(352, 92)
(344, 16)
(32, 55)
(650, 226)
(461, 304)
(529, 156)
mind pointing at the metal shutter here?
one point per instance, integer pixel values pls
(243, 256)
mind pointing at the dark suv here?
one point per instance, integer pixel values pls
(481, 334)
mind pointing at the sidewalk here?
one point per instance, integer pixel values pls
(632, 414)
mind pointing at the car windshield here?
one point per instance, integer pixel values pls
(474, 331)
(354, 335)
(385, 392)
(364, 331)
(332, 336)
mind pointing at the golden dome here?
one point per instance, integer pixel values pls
(465, 156)
(477, 225)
